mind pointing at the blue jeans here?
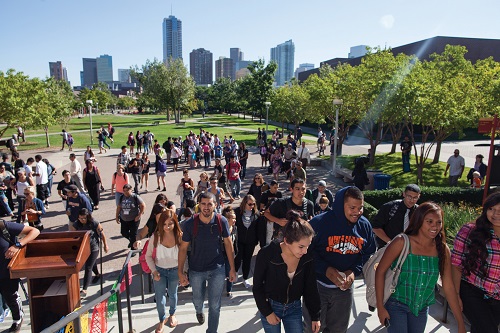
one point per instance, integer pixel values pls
(290, 315)
(168, 280)
(402, 320)
(235, 187)
(5, 203)
(213, 281)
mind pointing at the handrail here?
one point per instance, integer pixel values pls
(75, 315)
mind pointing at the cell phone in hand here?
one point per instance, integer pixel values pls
(387, 323)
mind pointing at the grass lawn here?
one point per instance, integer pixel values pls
(222, 125)
(391, 164)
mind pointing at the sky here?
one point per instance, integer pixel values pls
(35, 32)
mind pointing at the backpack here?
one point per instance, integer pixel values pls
(196, 220)
(391, 276)
(112, 130)
(105, 132)
(116, 173)
(162, 166)
(142, 257)
(70, 139)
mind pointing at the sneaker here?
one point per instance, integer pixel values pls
(247, 284)
(96, 279)
(164, 189)
(4, 315)
(201, 318)
(16, 327)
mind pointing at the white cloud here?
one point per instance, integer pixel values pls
(387, 21)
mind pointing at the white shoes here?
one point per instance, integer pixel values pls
(247, 284)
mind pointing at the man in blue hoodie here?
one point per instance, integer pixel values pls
(344, 241)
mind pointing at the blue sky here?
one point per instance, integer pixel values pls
(34, 32)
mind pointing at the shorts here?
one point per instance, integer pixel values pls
(160, 174)
(175, 160)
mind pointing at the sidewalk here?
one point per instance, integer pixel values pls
(238, 314)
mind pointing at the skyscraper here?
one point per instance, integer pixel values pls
(172, 38)
(201, 66)
(57, 71)
(89, 72)
(237, 56)
(303, 68)
(224, 68)
(124, 75)
(105, 68)
(283, 55)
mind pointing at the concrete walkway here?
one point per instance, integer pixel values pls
(239, 314)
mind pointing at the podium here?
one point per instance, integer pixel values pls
(52, 263)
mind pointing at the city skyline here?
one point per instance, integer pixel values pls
(131, 36)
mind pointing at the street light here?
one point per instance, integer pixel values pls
(89, 102)
(338, 102)
(267, 113)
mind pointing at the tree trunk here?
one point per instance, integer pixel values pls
(282, 129)
(47, 136)
(438, 152)
(373, 148)
(168, 115)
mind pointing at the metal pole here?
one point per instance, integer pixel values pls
(490, 158)
(335, 140)
(119, 310)
(100, 252)
(90, 114)
(129, 303)
(267, 116)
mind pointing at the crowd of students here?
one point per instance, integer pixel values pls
(312, 243)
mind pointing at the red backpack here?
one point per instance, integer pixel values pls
(142, 257)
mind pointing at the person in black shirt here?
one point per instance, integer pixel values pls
(135, 167)
(277, 211)
(393, 217)
(266, 227)
(63, 184)
(86, 222)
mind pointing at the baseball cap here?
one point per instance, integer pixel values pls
(321, 183)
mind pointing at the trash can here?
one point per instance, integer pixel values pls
(381, 181)
(371, 174)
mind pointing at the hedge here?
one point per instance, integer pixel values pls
(441, 195)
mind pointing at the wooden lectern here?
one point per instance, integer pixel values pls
(51, 263)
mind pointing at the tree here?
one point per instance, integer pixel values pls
(180, 88)
(259, 85)
(223, 94)
(126, 102)
(33, 103)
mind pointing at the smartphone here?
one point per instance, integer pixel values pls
(387, 323)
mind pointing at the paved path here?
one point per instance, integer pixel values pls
(239, 314)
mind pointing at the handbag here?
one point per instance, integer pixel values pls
(391, 276)
(142, 257)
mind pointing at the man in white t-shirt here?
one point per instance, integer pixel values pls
(42, 180)
(456, 164)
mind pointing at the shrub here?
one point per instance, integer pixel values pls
(369, 211)
(440, 195)
(456, 215)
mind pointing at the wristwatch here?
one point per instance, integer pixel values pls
(18, 244)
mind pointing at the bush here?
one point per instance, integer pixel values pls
(455, 216)
(440, 195)
(369, 211)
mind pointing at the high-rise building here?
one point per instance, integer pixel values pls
(124, 75)
(201, 66)
(89, 72)
(224, 68)
(57, 70)
(357, 51)
(283, 55)
(237, 56)
(303, 68)
(105, 68)
(172, 38)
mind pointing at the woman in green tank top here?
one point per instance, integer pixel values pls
(407, 308)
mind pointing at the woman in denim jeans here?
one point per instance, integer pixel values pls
(284, 272)
(407, 308)
(166, 240)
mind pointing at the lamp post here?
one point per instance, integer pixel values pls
(336, 102)
(267, 113)
(89, 102)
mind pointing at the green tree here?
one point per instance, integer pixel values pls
(180, 88)
(154, 79)
(223, 94)
(259, 85)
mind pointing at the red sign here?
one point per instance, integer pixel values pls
(485, 125)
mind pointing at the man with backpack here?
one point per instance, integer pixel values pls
(208, 235)
(75, 201)
(394, 216)
(129, 210)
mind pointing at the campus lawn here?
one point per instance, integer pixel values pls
(391, 164)
(244, 130)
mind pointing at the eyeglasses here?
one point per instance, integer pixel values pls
(26, 193)
(251, 204)
(409, 197)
